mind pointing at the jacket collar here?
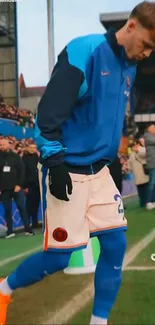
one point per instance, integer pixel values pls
(118, 50)
(112, 41)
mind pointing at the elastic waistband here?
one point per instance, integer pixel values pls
(89, 169)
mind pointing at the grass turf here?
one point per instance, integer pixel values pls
(140, 223)
(19, 244)
(135, 302)
(32, 305)
(144, 258)
(35, 304)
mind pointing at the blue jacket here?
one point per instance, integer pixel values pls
(81, 114)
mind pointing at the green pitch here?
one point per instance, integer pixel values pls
(135, 304)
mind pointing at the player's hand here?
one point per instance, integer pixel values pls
(60, 183)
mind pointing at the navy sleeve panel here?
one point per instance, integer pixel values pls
(55, 107)
(79, 51)
(67, 85)
(54, 160)
(59, 98)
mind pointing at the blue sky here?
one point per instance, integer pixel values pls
(72, 18)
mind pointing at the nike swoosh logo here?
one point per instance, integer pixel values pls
(117, 267)
(105, 73)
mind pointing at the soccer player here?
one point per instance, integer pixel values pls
(78, 131)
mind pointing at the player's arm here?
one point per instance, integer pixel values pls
(63, 90)
(55, 107)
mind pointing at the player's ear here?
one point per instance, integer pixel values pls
(131, 25)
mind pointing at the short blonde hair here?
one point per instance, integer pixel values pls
(144, 12)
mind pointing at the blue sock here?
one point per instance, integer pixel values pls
(108, 274)
(35, 267)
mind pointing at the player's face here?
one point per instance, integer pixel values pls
(32, 149)
(4, 145)
(139, 41)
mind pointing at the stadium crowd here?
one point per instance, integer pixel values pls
(139, 160)
(19, 180)
(145, 103)
(23, 117)
(134, 161)
(18, 146)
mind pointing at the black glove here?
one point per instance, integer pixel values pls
(60, 183)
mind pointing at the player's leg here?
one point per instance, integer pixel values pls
(108, 274)
(140, 190)
(6, 197)
(20, 202)
(28, 205)
(66, 229)
(107, 221)
(151, 186)
(33, 195)
(35, 267)
(30, 271)
(36, 198)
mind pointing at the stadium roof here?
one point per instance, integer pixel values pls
(114, 19)
(29, 91)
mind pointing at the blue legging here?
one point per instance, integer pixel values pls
(107, 276)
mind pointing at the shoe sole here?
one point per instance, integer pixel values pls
(10, 236)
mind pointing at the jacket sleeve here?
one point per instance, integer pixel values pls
(149, 139)
(56, 105)
(20, 171)
(141, 152)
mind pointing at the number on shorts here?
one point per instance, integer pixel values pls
(117, 197)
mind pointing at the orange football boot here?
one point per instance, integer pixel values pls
(4, 303)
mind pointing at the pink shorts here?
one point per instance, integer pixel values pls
(95, 207)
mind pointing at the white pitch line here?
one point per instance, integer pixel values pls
(17, 257)
(136, 249)
(140, 268)
(79, 301)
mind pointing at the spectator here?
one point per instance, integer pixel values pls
(116, 173)
(149, 137)
(11, 181)
(136, 164)
(16, 145)
(23, 117)
(124, 163)
(31, 184)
